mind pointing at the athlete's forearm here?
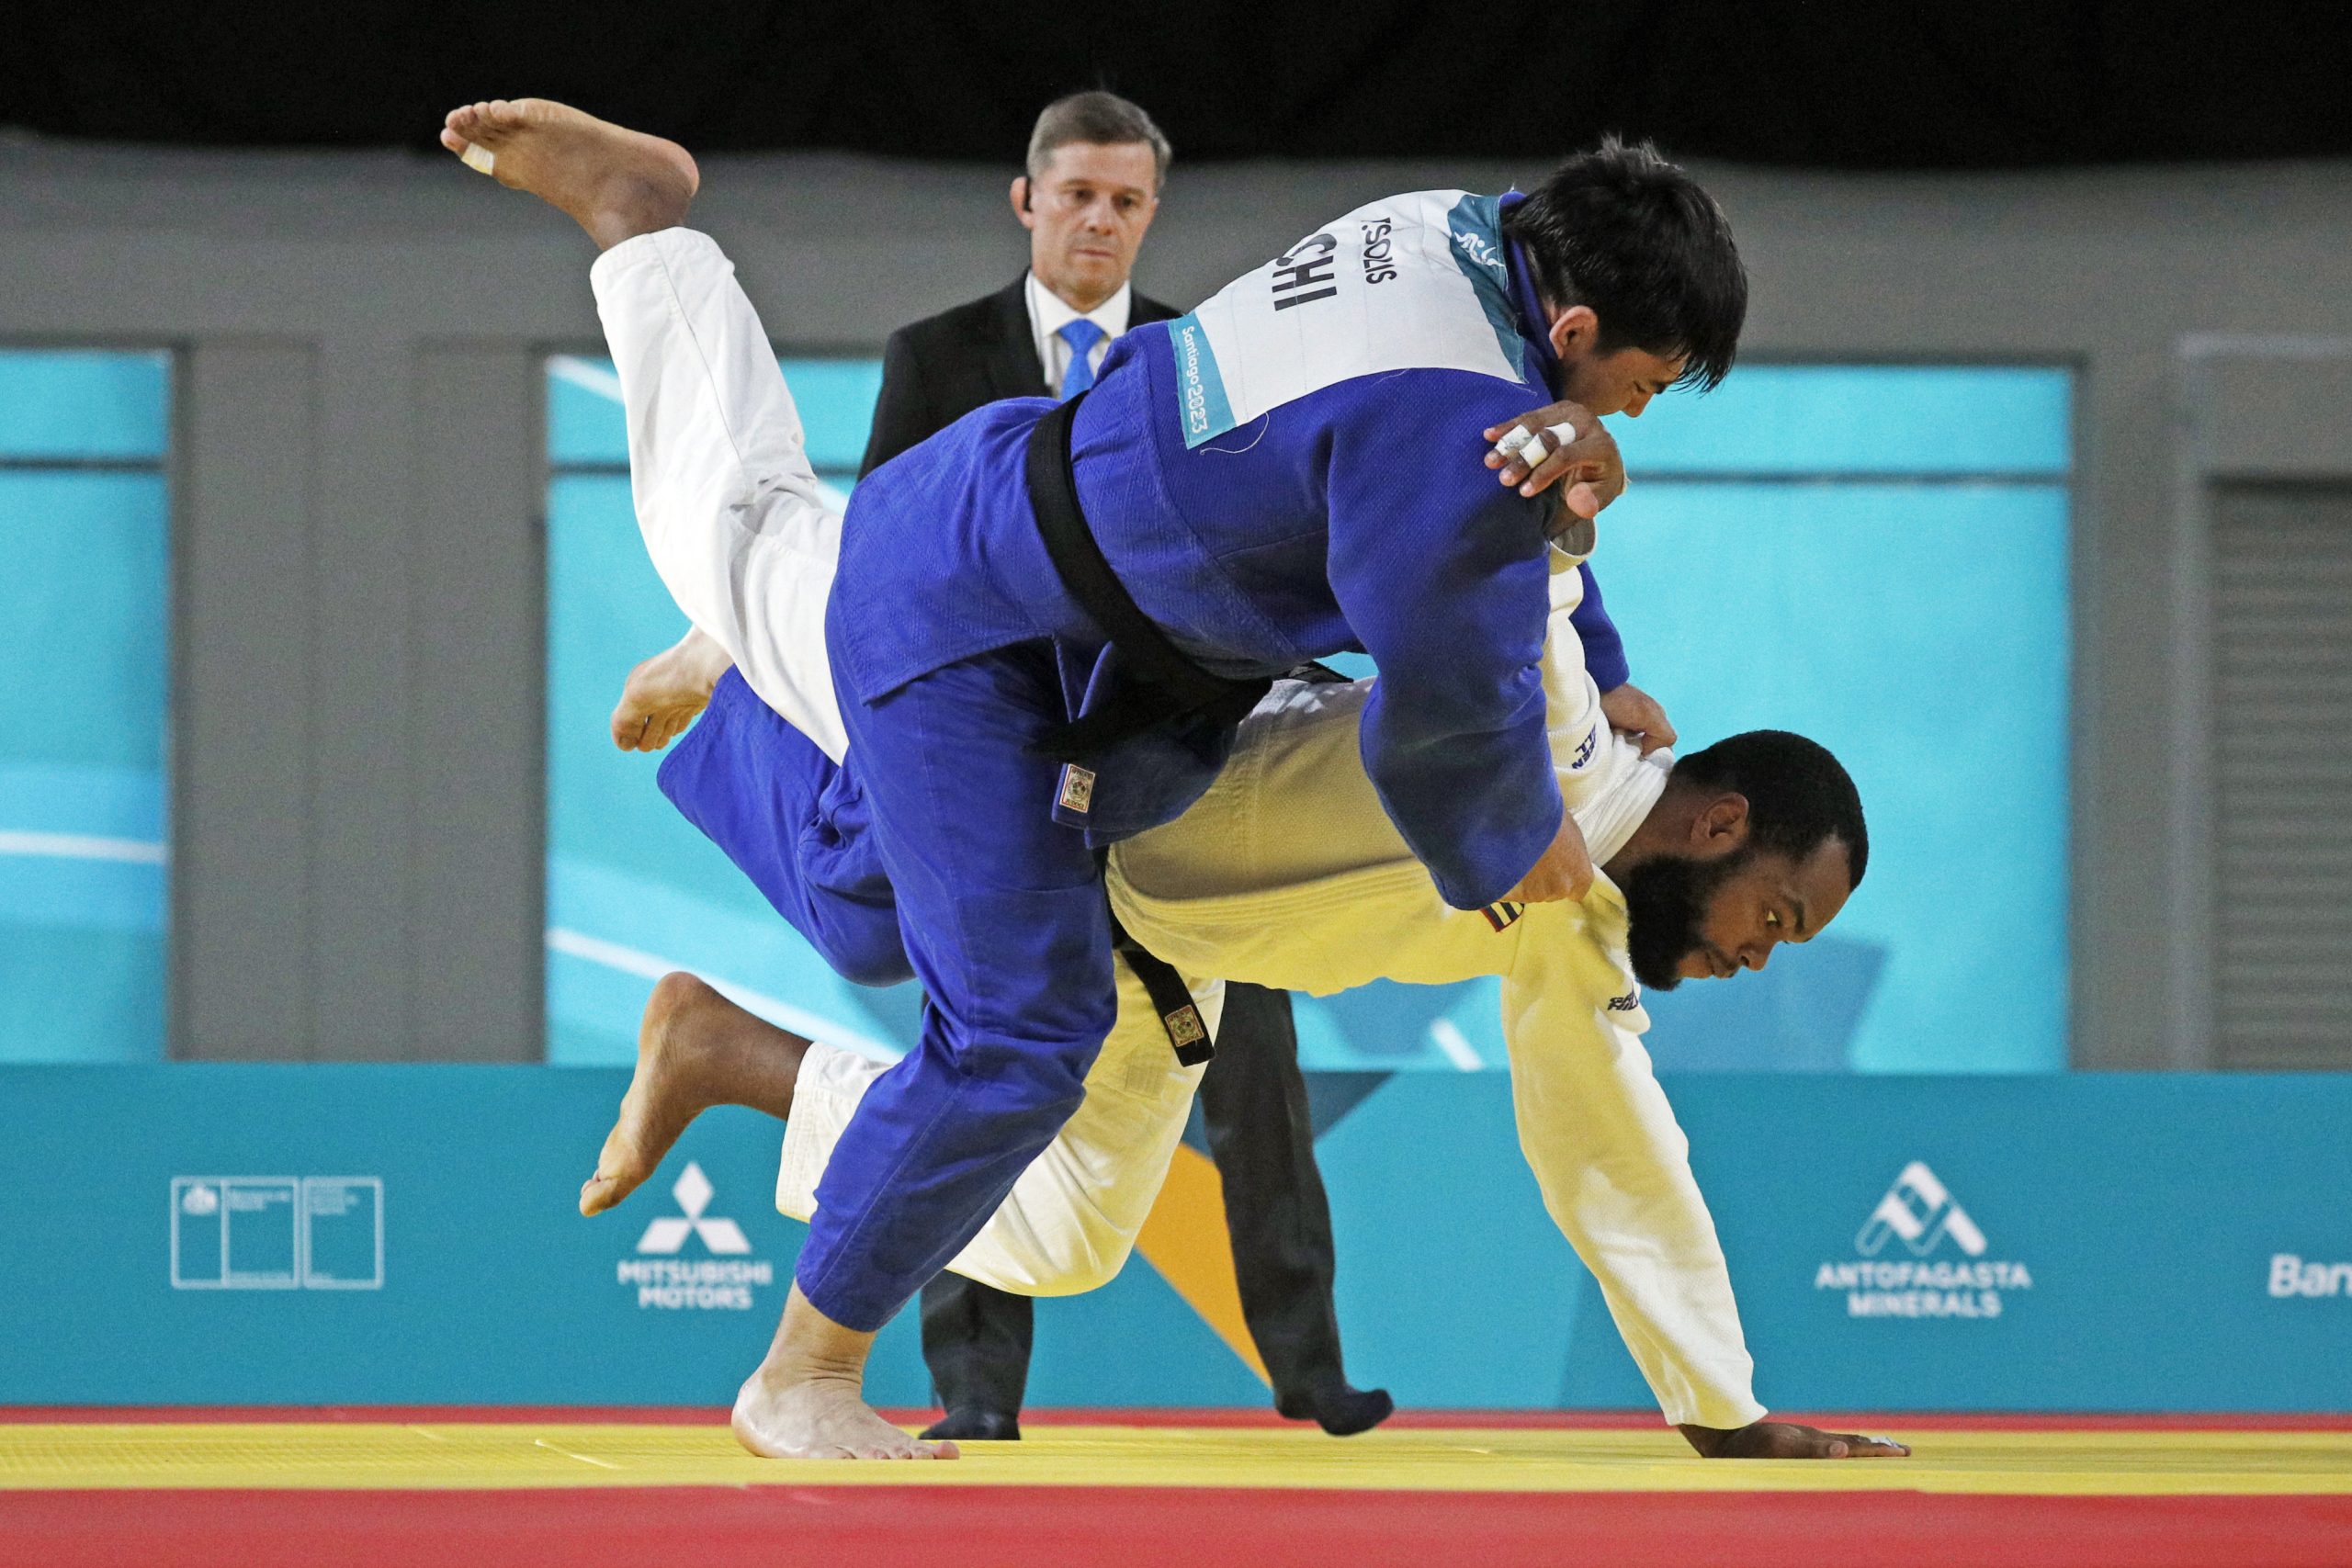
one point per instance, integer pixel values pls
(1614, 1170)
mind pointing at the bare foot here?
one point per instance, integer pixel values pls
(616, 183)
(807, 1401)
(666, 692)
(821, 1418)
(695, 1049)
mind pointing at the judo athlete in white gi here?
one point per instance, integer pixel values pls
(948, 702)
(1288, 868)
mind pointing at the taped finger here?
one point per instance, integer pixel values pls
(479, 158)
(1506, 449)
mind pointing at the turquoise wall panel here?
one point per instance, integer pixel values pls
(1896, 583)
(835, 398)
(84, 664)
(1921, 634)
(84, 404)
(1885, 420)
(2151, 1239)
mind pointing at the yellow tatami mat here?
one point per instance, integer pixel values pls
(525, 1455)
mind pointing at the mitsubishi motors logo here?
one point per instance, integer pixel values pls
(1920, 1212)
(724, 1280)
(722, 1237)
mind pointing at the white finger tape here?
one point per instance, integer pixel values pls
(1563, 435)
(1517, 436)
(1535, 452)
(479, 158)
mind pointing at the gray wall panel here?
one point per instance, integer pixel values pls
(477, 715)
(241, 733)
(364, 850)
(2282, 768)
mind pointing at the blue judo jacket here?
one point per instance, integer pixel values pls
(1291, 471)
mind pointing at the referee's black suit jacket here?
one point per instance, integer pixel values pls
(943, 367)
(1253, 1099)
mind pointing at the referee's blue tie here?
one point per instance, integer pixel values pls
(1081, 335)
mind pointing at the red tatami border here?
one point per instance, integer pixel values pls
(1065, 1527)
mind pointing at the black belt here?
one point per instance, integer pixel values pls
(1154, 682)
(1171, 999)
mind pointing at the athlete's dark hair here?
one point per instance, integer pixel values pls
(1624, 231)
(1798, 794)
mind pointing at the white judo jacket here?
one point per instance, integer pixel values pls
(1287, 874)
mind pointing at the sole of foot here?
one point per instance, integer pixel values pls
(668, 1091)
(613, 182)
(666, 694)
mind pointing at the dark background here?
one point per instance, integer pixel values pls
(1805, 82)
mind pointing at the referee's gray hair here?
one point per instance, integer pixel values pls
(1098, 119)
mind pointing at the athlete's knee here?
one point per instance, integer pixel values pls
(1078, 1269)
(867, 954)
(1049, 1240)
(1049, 1086)
(1031, 1108)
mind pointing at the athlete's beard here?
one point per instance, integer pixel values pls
(1666, 899)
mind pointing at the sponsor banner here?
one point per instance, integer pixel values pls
(2291, 1276)
(1925, 1217)
(2077, 1242)
(724, 1279)
(357, 1235)
(375, 1235)
(278, 1232)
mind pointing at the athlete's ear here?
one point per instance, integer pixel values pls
(1721, 826)
(1021, 208)
(1574, 332)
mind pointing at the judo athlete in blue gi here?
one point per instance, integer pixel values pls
(1282, 475)
(1048, 619)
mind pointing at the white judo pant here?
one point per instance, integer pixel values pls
(740, 535)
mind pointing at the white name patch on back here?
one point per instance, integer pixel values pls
(1412, 282)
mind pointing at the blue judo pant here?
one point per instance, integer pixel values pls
(796, 824)
(1000, 912)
